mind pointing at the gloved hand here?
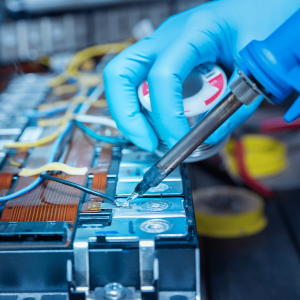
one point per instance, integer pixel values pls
(212, 32)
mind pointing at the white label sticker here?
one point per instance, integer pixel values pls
(31, 134)
(10, 131)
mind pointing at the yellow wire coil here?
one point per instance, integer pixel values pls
(264, 156)
(243, 215)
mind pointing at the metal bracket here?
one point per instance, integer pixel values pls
(149, 273)
(81, 265)
(198, 279)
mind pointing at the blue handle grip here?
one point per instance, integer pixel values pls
(275, 63)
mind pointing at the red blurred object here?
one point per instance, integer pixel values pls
(278, 124)
(242, 169)
(22, 68)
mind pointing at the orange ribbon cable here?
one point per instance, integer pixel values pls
(52, 201)
(5, 183)
(7, 174)
(99, 183)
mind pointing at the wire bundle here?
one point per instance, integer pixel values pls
(54, 149)
(76, 108)
(80, 57)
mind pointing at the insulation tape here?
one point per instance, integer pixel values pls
(54, 167)
(265, 156)
(228, 212)
(202, 90)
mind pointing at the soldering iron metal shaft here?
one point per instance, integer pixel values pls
(194, 138)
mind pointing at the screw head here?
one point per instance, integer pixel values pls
(114, 291)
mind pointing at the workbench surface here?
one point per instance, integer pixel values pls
(265, 266)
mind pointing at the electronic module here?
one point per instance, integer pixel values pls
(57, 242)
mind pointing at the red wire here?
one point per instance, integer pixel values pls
(251, 182)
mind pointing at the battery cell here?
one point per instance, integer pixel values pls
(133, 166)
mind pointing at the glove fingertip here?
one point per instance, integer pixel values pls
(149, 143)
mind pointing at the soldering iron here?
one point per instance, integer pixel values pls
(269, 68)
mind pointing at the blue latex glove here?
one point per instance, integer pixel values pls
(211, 32)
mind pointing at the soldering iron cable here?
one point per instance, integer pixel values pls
(79, 187)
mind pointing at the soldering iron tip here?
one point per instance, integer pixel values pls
(133, 196)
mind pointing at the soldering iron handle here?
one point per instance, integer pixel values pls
(275, 63)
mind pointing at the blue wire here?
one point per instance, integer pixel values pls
(50, 160)
(43, 114)
(22, 191)
(98, 137)
(55, 147)
(95, 93)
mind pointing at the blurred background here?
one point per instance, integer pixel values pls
(246, 197)
(33, 27)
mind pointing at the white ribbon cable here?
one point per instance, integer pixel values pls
(96, 120)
